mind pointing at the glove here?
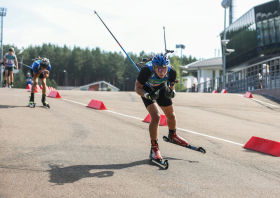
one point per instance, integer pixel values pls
(169, 93)
(152, 95)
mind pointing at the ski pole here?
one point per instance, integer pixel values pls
(117, 41)
(166, 50)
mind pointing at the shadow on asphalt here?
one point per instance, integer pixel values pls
(75, 173)
(10, 106)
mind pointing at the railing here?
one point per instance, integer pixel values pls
(263, 75)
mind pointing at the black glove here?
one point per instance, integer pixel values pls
(152, 95)
(169, 93)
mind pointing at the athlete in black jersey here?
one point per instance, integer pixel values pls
(161, 76)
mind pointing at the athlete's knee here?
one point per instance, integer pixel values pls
(155, 117)
(171, 117)
(43, 83)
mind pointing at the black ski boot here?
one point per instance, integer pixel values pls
(45, 103)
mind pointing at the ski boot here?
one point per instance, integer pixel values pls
(45, 104)
(155, 156)
(31, 101)
(177, 139)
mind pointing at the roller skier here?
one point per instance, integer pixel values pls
(40, 69)
(162, 77)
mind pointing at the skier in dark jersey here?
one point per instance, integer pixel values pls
(161, 76)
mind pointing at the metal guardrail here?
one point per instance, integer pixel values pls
(262, 75)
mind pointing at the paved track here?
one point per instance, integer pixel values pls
(74, 151)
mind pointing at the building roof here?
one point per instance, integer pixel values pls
(104, 82)
(211, 62)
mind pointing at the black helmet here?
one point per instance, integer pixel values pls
(11, 49)
(44, 63)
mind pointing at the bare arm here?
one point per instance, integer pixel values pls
(36, 75)
(16, 63)
(139, 89)
(5, 59)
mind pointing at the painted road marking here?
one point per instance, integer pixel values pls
(209, 136)
(260, 101)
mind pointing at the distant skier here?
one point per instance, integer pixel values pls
(28, 79)
(40, 69)
(157, 73)
(10, 60)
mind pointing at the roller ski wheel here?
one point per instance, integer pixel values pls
(199, 149)
(163, 164)
(32, 104)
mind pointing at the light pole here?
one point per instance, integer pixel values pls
(66, 77)
(124, 82)
(182, 47)
(225, 4)
(3, 12)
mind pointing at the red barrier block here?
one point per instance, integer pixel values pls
(28, 86)
(54, 94)
(41, 87)
(36, 91)
(37, 87)
(224, 91)
(248, 95)
(162, 122)
(263, 145)
(97, 104)
(214, 91)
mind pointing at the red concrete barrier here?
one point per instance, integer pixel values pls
(41, 87)
(224, 91)
(162, 122)
(54, 94)
(37, 87)
(36, 91)
(248, 95)
(97, 104)
(28, 86)
(263, 145)
(214, 91)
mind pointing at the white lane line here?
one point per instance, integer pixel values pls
(264, 102)
(260, 101)
(209, 136)
(123, 115)
(74, 102)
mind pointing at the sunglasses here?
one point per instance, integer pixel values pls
(161, 69)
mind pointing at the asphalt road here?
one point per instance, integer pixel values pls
(70, 150)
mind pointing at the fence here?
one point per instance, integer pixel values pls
(263, 75)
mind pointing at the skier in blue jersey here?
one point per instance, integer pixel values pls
(162, 77)
(40, 69)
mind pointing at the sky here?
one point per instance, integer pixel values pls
(137, 25)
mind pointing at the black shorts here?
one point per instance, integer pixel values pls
(41, 75)
(162, 101)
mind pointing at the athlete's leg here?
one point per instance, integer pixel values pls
(170, 115)
(171, 122)
(12, 77)
(35, 82)
(155, 118)
(44, 86)
(6, 74)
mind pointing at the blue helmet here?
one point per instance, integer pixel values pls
(160, 60)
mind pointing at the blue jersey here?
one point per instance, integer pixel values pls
(35, 66)
(29, 80)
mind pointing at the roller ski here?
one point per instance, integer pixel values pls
(32, 104)
(175, 139)
(45, 104)
(156, 158)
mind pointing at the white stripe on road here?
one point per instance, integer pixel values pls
(209, 136)
(260, 101)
